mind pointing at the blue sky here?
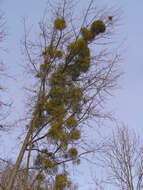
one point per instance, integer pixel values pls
(127, 101)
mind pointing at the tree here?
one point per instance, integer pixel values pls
(3, 104)
(123, 159)
(72, 83)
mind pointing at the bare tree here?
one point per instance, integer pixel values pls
(123, 159)
(4, 102)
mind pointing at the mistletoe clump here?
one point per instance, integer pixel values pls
(52, 52)
(58, 54)
(58, 78)
(75, 134)
(61, 182)
(98, 27)
(87, 34)
(80, 55)
(40, 177)
(60, 24)
(49, 51)
(71, 122)
(73, 153)
(49, 164)
(77, 46)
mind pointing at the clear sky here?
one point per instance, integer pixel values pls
(127, 102)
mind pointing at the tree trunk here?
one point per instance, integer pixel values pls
(19, 160)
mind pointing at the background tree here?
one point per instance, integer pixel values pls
(74, 72)
(3, 103)
(123, 159)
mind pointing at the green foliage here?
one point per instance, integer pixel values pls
(60, 24)
(98, 27)
(49, 51)
(52, 53)
(55, 132)
(59, 79)
(79, 55)
(71, 122)
(74, 94)
(75, 135)
(55, 110)
(49, 164)
(61, 182)
(87, 34)
(73, 153)
(42, 67)
(46, 61)
(58, 94)
(40, 177)
(73, 71)
(85, 52)
(77, 46)
(58, 54)
(83, 64)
